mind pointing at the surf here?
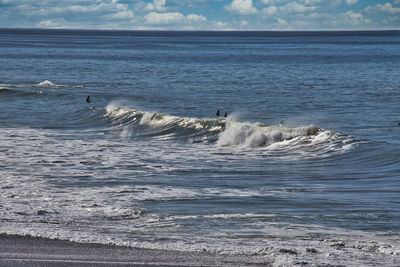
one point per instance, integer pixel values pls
(139, 123)
(224, 132)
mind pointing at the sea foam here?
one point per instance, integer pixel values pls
(250, 135)
(46, 83)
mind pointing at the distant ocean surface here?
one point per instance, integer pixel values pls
(305, 168)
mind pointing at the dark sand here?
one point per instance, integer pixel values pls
(31, 251)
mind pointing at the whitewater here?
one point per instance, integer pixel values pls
(304, 169)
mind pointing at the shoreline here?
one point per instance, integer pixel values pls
(35, 251)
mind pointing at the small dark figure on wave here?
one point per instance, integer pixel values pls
(226, 114)
(217, 114)
(88, 99)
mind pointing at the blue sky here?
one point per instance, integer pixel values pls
(201, 14)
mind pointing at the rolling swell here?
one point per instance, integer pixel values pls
(5, 90)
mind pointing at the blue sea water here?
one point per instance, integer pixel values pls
(308, 156)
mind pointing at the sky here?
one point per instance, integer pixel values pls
(202, 14)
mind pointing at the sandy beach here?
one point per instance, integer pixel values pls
(32, 251)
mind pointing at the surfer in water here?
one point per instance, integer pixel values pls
(88, 99)
(217, 114)
(226, 114)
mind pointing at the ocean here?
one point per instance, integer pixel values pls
(305, 168)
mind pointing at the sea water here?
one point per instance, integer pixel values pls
(304, 169)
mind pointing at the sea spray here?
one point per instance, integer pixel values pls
(251, 135)
(225, 132)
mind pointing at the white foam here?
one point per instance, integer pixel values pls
(251, 135)
(46, 83)
(39, 198)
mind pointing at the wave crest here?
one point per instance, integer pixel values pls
(160, 124)
(226, 132)
(50, 84)
(250, 135)
(47, 83)
(5, 90)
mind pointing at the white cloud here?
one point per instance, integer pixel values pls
(271, 10)
(388, 7)
(351, 2)
(220, 25)
(196, 18)
(297, 8)
(173, 17)
(299, 24)
(127, 14)
(83, 9)
(158, 5)
(242, 7)
(353, 18)
(48, 23)
(281, 22)
(272, 2)
(173, 14)
(312, 2)
(164, 18)
(99, 7)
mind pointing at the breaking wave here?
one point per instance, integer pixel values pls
(43, 84)
(249, 135)
(50, 84)
(133, 122)
(224, 132)
(47, 83)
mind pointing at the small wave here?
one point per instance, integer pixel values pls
(50, 84)
(47, 83)
(5, 90)
(34, 93)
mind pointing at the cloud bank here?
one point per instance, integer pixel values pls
(202, 14)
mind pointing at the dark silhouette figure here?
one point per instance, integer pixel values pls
(226, 114)
(217, 114)
(88, 99)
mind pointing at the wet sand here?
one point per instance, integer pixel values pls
(32, 251)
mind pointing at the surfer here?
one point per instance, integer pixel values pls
(88, 99)
(226, 114)
(217, 114)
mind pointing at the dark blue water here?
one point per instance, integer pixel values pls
(308, 156)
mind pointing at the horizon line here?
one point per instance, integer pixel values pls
(183, 30)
